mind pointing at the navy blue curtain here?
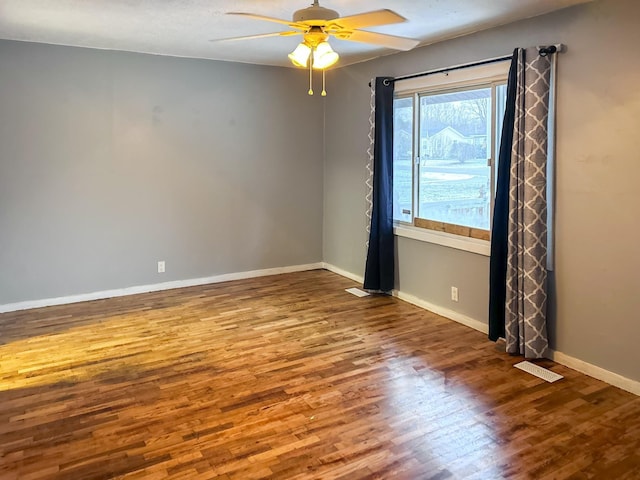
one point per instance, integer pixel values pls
(379, 272)
(498, 261)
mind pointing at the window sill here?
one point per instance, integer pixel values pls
(473, 245)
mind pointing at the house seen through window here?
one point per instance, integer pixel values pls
(445, 140)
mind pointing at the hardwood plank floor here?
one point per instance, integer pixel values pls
(290, 377)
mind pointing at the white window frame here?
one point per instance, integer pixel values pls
(489, 75)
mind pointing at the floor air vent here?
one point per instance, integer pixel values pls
(357, 292)
(539, 372)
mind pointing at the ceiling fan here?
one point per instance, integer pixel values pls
(316, 24)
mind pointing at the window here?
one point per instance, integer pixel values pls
(446, 135)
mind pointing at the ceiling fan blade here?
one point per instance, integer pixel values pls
(288, 33)
(297, 26)
(369, 19)
(389, 41)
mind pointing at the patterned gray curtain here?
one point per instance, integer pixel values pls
(526, 281)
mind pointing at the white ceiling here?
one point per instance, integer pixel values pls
(185, 28)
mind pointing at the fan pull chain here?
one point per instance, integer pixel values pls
(311, 73)
(324, 92)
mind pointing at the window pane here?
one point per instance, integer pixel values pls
(455, 143)
(402, 155)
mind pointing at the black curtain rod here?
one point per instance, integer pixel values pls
(544, 51)
(451, 69)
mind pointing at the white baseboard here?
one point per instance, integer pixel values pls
(442, 311)
(121, 292)
(445, 312)
(343, 273)
(596, 372)
(581, 366)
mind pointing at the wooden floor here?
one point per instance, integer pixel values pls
(290, 377)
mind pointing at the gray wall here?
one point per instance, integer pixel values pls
(111, 161)
(597, 276)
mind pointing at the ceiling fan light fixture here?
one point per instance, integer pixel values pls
(317, 24)
(324, 56)
(300, 56)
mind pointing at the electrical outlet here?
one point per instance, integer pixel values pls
(161, 266)
(454, 294)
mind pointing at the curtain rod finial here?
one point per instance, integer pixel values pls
(544, 51)
(549, 50)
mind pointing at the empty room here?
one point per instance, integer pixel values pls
(319, 240)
